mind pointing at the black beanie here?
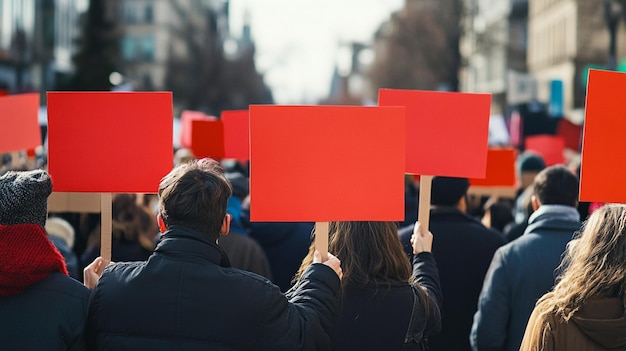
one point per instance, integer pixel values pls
(448, 191)
(24, 197)
(530, 162)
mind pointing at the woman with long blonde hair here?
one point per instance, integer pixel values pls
(585, 310)
(386, 303)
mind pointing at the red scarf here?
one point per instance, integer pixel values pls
(26, 257)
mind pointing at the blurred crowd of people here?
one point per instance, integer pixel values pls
(487, 274)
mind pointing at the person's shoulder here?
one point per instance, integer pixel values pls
(61, 284)
(121, 270)
(258, 287)
(486, 236)
(249, 278)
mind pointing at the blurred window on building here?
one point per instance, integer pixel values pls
(148, 83)
(149, 13)
(130, 12)
(147, 48)
(129, 48)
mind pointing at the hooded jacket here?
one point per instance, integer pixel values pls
(599, 325)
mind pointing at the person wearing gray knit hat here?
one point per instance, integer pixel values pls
(24, 197)
(37, 297)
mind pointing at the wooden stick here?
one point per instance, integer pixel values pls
(321, 239)
(106, 217)
(507, 192)
(424, 205)
(16, 159)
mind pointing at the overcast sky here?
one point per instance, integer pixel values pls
(297, 40)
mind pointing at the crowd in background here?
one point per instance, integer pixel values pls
(495, 258)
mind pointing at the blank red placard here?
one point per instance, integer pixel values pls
(447, 134)
(19, 124)
(109, 141)
(604, 145)
(500, 169)
(549, 147)
(326, 163)
(571, 133)
(236, 134)
(203, 134)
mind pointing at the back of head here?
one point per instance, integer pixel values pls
(529, 164)
(594, 263)
(183, 155)
(369, 251)
(132, 221)
(195, 195)
(556, 185)
(447, 191)
(62, 229)
(24, 197)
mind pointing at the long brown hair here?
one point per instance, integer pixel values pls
(368, 251)
(594, 265)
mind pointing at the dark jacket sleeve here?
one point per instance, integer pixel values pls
(426, 276)
(305, 318)
(489, 330)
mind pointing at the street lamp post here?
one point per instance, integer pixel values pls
(612, 14)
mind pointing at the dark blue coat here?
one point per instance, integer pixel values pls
(285, 244)
(186, 297)
(48, 315)
(463, 248)
(521, 272)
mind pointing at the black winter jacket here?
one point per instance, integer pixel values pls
(48, 315)
(463, 248)
(377, 316)
(186, 297)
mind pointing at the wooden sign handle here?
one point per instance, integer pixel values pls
(16, 159)
(106, 217)
(424, 204)
(321, 239)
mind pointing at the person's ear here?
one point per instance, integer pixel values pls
(462, 204)
(161, 223)
(226, 225)
(535, 202)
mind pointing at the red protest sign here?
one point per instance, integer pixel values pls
(109, 141)
(500, 169)
(571, 133)
(307, 163)
(447, 134)
(19, 122)
(203, 134)
(603, 159)
(549, 147)
(236, 134)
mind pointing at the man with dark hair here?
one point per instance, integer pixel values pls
(525, 269)
(463, 247)
(187, 297)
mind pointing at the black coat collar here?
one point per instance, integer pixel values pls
(186, 243)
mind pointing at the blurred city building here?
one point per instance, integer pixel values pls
(349, 84)
(186, 46)
(418, 47)
(154, 32)
(37, 40)
(493, 46)
(565, 38)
